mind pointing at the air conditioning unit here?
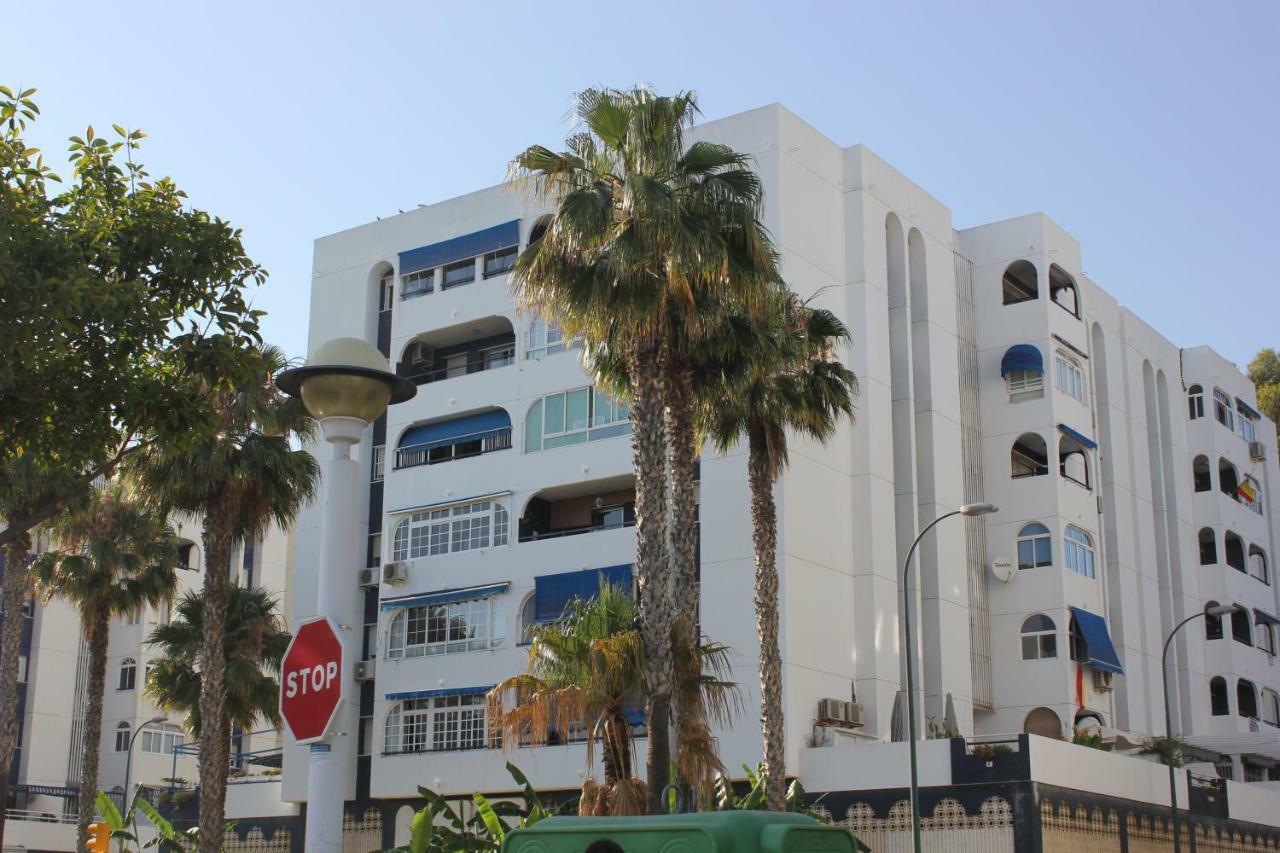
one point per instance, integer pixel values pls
(840, 713)
(368, 577)
(1102, 680)
(855, 715)
(420, 356)
(395, 573)
(830, 709)
(365, 670)
(1257, 451)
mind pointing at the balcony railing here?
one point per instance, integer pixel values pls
(464, 447)
(574, 531)
(492, 360)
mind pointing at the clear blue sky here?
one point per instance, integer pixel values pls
(1147, 129)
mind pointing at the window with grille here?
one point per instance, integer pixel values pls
(439, 724)
(1067, 376)
(1077, 552)
(466, 527)
(437, 629)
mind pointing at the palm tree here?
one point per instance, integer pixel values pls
(586, 673)
(118, 557)
(645, 229)
(765, 379)
(242, 478)
(255, 641)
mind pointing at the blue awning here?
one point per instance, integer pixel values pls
(445, 596)
(1102, 652)
(1078, 436)
(1245, 408)
(441, 692)
(450, 502)
(1264, 616)
(441, 433)
(552, 593)
(1021, 357)
(467, 246)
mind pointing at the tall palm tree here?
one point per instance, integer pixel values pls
(763, 379)
(645, 229)
(116, 557)
(586, 672)
(255, 642)
(242, 479)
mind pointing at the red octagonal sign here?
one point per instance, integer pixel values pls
(311, 683)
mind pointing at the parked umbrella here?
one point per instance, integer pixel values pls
(949, 720)
(898, 719)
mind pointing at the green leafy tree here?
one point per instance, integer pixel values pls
(763, 380)
(646, 230)
(121, 307)
(1264, 371)
(116, 556)
(241, 479)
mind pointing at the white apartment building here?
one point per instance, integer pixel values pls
(1134, 479)
(52, 701)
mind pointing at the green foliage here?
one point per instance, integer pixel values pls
(124, 827)
(726, 799)
(1170, 751)
(1264, 372)
(121, 307)
(1091, 739)
(438, 828)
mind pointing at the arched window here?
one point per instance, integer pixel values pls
(1035, 546)
(539, 228)
(1258, 564)
(1073, 463)
(528, 618)
(1208, 547)
(1030, 456)
(128, 674)
(1043, 722)
(465, 527)
(1212, 624)
(1039, 638)
(1241, 628)
(1228, 479)
(1195, 402)
(545, 339)
(1266, 638)
(1222, 409)
(1218, 703)
(386, 278)
(1068, 377)
(1233, 545)
(1270, 707)
(1246, 699)
(1019, 283)
(1062, 290)
(1201, 475)
(122, 737)
(440, 723)
(1077, 551)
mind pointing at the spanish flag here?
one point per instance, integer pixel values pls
(1246, 490)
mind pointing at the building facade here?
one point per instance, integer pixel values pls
(1133, 478)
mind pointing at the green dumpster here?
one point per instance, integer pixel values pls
(699, 832)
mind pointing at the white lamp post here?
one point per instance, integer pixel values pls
(346, 384)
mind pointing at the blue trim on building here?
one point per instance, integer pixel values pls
(467, 246)
(1102, 652)
(1021, 357)
(445, 596)
(478, 690)
(1264, 616)
(1079, 436)
(450, 502)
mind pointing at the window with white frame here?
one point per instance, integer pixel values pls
(1265, 638)
(1270, 707)
(456, 626)
(1024, 383)
(1035, 546)
(128, 674)
(545, 339)
(1195, 402)
(1067, 375)
(122, 737)
(417, 283)
(1039, 638)
(436, 724)
(1248, 429)
(465, 527)
(1222, 409)
(573, 417)
(161, 740)
(499, 262)
(459, 273)
(379, 462)
(1077, 552)
(386, 288)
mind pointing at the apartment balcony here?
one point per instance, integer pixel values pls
(485, 344)
(579, 509)
(451, 439)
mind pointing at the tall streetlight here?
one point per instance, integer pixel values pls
(345, 385)
(1217, 611)
(973, 509)
(128, 759)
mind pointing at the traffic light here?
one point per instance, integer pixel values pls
(99, 838)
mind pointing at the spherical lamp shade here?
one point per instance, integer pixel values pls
(346, 378)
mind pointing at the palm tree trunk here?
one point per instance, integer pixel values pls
(215, 743)
(683, 530)
(13, 599)
(97, 625)
(652, 570)
(764, 536)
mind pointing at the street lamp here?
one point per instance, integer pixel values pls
(974, 509)
(345, 385)
(1218, 611)
(128, 759)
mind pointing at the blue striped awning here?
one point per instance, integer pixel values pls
(1246, 409)
(1264, 616)
(479, 690)
(1079, 436)
(441, 433)
(552, 593)
(467, 246)
(1097, 639)
(1021, 357)
(445, 596)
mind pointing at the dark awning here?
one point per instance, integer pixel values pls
(441, 692)
(1078, 436)
(445, 596)
(1246, 409)
(552, 593)
(1102, 652)
(1021, 357)
(1264, 616)
(467, 246)
(469, 427)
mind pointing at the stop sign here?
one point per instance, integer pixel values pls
(311, 683)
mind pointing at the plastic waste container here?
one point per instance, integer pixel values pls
(699, 832)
